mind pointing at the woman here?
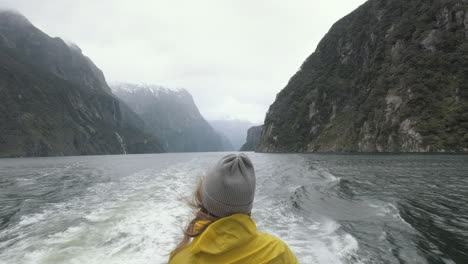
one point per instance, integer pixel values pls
(222, 229)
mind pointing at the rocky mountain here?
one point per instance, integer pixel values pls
(235, 130)
(392, 76)
(173, 116)
(55, 101)
(253, 136)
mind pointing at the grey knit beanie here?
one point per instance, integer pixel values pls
(229, 186)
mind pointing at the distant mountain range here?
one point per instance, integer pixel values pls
(55, 101)
(173, 116)
(389, 77)
(235, 130)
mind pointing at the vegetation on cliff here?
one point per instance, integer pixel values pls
(55, 101)
(391, 76)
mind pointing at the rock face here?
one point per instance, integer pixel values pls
(392, 76)
(173, 116)
(55, 101)
(253, 136)
(235, 130)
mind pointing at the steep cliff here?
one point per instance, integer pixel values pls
(391, 76)
(253, 136)
(55, 101)
(173, 116)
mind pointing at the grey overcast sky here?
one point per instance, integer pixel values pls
(233, 56)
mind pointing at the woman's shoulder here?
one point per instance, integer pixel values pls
(277, 247)
(270, 238)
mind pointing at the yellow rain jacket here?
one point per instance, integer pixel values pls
(234, 239)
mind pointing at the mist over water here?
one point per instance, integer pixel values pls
(327, 208)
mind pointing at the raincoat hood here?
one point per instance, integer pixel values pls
(234, 240)
(225, 234)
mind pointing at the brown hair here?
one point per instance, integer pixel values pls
(200, 214)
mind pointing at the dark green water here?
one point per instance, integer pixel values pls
(328, 208)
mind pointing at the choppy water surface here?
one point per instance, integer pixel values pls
(328, 208)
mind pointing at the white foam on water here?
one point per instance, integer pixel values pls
(139, 219)
(139, 223)
(327, 175)
(312, 238)
(318, 240)
(384, 209)
(33, 218)
(395, 213)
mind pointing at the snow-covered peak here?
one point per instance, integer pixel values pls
(156, 90)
